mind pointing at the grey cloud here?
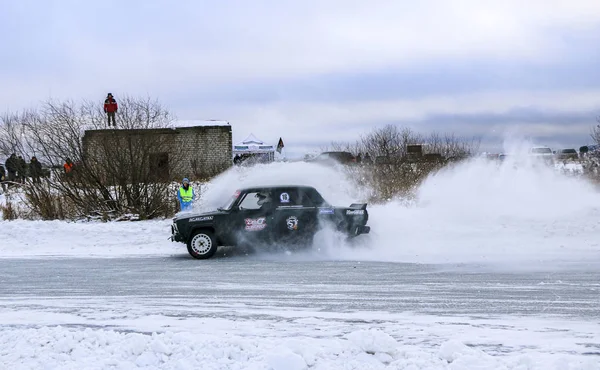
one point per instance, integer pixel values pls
(556, 129)
(206, 59)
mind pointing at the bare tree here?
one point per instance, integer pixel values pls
(339, 146)
(395, 173)
(596, 131)
(451, 146)
(114, 171)
(12, 134)
(389, 141)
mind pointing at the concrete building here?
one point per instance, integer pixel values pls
(188, 149)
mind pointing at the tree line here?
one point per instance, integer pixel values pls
(395, 172)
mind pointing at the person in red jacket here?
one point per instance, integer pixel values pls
(110, 107)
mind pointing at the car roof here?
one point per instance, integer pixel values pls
(270, 187)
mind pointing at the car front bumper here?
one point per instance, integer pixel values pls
(175, 236)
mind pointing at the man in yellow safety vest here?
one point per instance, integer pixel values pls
(185, 195)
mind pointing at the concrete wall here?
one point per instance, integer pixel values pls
(194, 152)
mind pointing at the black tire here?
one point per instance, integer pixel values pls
(202, 244)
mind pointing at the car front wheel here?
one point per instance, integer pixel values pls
(202, 244)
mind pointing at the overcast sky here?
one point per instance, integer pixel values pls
(316, 71)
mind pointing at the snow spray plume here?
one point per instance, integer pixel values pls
(331, 182)
(517, 212)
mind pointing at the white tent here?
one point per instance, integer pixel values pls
(251, 146)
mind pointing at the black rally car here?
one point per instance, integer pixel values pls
(266, 215)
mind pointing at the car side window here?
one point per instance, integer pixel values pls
(254, 200)
(287, 197)
(316, 199)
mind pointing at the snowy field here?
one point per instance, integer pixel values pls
(494, 267)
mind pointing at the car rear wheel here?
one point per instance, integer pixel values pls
(202, 244)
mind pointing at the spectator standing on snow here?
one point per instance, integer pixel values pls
(68, 166)
(2, 178)
(11, 167)
(185, 195)
(110, 108)
(35, 170)
(21, 170)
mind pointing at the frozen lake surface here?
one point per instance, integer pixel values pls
(342, 286)
(250, 312)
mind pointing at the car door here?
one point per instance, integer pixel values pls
(253, 221)
(295, 215)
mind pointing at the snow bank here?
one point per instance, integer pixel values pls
(64, 348)
(197, 123)
(84, 239)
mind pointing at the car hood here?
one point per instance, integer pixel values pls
(190, 215)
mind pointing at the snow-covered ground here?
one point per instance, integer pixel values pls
(529, 235)
(252, 313)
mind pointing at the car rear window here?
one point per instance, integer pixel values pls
(296, 197)
(541, 150)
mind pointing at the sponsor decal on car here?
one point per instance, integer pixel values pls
(298, 207)
(284, 198)
(355, 212)
(326, 211)
(292, 223)
(203, 218)
(257, 224)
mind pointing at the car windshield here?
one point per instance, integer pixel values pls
(230, 202)
(541, 150)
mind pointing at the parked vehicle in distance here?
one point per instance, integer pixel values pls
(540, 151)
(543, 153)
(266, 215)
(567, 154)
(334, 157)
